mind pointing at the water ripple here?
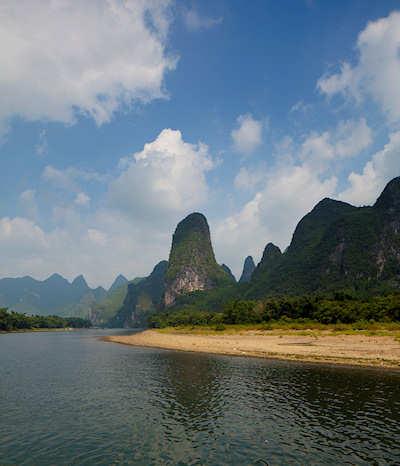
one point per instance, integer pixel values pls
(70, 399)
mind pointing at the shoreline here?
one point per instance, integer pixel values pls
(37, 330)
(321, 347)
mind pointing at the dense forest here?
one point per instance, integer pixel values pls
(10, 320)
(336, 308)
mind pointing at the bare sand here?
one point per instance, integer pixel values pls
(322, 347)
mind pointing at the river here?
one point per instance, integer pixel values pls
(68, 398)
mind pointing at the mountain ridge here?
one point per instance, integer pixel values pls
(337, 245)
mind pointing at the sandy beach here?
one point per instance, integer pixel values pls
(323, 347)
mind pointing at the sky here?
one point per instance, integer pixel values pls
(119, 118)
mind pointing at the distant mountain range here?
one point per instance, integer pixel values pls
(334, 247)
(56, 295)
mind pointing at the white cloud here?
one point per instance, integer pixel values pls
(352, 137)
(248, 136)
(195, 22)
(69, 178)
(42, 145)
(97, 236)
(377, 71)
(82, 199)
(366, 186)
(348, 139)
(61, 58)
(130, 231)
(166, 178)
(20, 237)
(300, 107)
(248, 179)
(99, 246)
(28, 201)
(289, 193)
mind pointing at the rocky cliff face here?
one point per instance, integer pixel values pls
(338, 246)
(248, 269)
(142, 298)
(192, 265)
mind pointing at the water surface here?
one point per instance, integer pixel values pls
(67, 398)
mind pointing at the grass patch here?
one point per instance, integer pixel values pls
(306, 328)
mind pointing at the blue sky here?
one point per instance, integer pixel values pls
(119, 118)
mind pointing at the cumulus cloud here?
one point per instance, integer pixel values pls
(248, 178)
(377, 71)
(271, 215)
(20, 237)
(286, 191)
(60, 58)
(364, 187)
(100, 246)
(130, 231)
(347, 140)
(194, 21)
(167, 177)
(248, 135)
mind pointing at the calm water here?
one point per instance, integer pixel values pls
(68, 398)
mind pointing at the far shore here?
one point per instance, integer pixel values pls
(30, 330)
(328, 347)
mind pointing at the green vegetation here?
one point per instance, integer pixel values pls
(192, 259)
(143, 296)
(11, 321)
(104, 310)
(337, 309)
(337, 246)
(191, 246)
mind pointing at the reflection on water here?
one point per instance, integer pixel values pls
(68, 398)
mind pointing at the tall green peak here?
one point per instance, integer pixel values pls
(227, 269)
(389, 200)
(119, 281)
(270, 252)
(194, 222)
(248, 269)
(192, 265)
(312, 226)
(339, 246)
(142, 298)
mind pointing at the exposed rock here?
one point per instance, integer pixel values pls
(192, 265)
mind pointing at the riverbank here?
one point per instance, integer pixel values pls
(323, 346)
(35, 330)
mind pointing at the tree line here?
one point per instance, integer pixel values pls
(338, 308)
(10, 320)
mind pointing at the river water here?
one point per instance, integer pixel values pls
(68, 398)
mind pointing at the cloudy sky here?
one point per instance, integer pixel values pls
(118, 118)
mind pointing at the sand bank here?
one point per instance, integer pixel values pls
(376, 351)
